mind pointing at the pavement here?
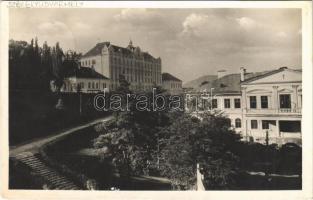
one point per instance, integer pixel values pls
(34, 145)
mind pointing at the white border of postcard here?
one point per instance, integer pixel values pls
(305, 193)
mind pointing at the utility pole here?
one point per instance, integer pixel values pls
(211, 97)
(80, 98)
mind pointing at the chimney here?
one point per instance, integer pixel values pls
(221, 73)
(242, 73)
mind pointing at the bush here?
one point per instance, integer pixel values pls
(272, 159)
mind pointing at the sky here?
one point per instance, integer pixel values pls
(190, 42)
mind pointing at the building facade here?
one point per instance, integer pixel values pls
(260, 106)
(85, 80)
(172, 84)
(139, 68)
(272, 106)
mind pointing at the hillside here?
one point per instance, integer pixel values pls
(200, 81)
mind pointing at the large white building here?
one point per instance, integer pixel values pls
(272, 105)
(85, 80)
(259, 103)
(139, 68)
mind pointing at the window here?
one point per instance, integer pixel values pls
(214, 103)
(284, 101)
(265, 124)
(226, 103)
(252, 101)
(93, 85)
(89, 85)
(93, 62)
(104, 85)
(97, 86)
(237, 103)
(238, 123)
(264, 102)
(254, 124)
(82, 85)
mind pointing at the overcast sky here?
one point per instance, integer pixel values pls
(190, 42)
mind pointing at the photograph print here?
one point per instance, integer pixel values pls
(155, 99)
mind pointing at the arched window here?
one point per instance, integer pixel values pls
(238, 123)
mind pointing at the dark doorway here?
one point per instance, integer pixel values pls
(290, 126)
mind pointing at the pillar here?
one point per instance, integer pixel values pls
(294, 98)
(244, 122)
(275, 101)
(243, 98)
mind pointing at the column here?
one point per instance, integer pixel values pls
(244, 121)
(294, 98)
(243, 98)
(275, 101)
(258, 101)
(259, 124)
(244, 132)
(277, 132)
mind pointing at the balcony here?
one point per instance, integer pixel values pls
(281, 111)
(290, 110)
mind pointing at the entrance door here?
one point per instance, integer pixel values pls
(290, 129)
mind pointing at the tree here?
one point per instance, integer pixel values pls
(178, 160)
(58, 73)
(206, 140)
(136, 147)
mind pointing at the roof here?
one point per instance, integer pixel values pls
(228, 84)
(97, 49)
(254, 76)
(130, 51)
(86, 72)
(196, 83)
(169, 77)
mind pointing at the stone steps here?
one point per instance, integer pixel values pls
(55, 179)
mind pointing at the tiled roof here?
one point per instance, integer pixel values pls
(125, 51)
(254, 76)
(196, 83)
(229, 84)
(86, 72)
(169, 77)
(96, 50)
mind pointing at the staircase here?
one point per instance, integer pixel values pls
(54, 179)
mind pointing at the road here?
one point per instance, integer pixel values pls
(34, 145)
(25, 153)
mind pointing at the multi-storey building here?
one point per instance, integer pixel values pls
(272, 105)
(222, 95)
(259, 105)
(172, 84)
(139, 68)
